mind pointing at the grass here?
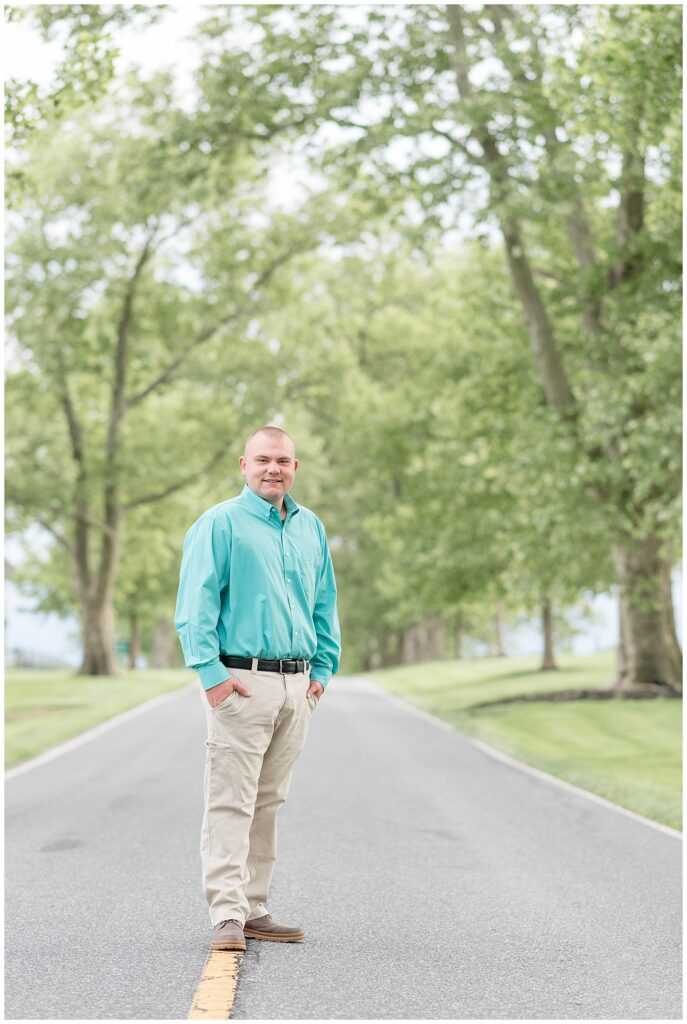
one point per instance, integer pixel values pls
(43, 708)
(626, 751)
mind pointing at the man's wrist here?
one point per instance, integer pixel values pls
(212, 674)
(208, 688)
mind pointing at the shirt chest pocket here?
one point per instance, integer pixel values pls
(308, 569)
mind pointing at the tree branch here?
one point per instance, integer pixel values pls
(547, 357)
(542, 272)
(168, 374)
(118, 399)
(73, 424)
(579, 230)
(148, 499)
(59, 537)
(108, 560)
(630, 212)
(457, 143)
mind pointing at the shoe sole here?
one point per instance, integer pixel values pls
(235, 947)
(271, 937)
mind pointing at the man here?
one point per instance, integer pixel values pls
(256, 616)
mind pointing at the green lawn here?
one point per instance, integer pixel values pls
(43, 708)
(626, 751)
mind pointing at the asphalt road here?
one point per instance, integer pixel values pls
(433, 881)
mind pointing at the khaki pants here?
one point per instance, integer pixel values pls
(252, 745)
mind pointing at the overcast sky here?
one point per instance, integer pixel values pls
(162, 45)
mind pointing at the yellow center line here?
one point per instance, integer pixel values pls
(216, 990)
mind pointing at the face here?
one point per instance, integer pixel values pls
(269, 466)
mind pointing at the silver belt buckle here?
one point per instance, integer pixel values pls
(281, 666)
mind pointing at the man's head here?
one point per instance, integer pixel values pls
(269, 463)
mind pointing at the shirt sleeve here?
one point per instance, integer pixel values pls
(204, 574)
(325, 663)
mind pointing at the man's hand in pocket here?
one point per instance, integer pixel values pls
(216, 694)
(315, 689)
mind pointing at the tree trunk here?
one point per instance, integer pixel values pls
(436, 638)
(621, 652)
(499, 627)
(411, 645)
(164, 644)
(392, 651)
(458, 635)
(668, 618)
(653, 657)
(134, 640)
(549, 659)
(98, 639)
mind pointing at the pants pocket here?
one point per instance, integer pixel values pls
(230, 698)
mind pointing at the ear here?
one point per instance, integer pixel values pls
(243, 464)
(295, 465)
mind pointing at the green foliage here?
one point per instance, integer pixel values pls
(124, 240)
(448, 486)
(83, 76)
(393, 350)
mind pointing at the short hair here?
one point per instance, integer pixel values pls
(271, 432)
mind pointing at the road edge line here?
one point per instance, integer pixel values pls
(522, 766)
(94, 732)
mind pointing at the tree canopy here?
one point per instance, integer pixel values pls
(469, 314)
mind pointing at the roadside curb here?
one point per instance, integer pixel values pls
(521, 765)
(97, 730)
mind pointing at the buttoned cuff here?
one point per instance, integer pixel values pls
(212, 674)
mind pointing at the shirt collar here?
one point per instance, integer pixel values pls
(264, 508)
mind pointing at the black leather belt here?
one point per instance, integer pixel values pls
(284, 665)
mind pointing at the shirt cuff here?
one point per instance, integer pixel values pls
(212, 674)
(320, 674)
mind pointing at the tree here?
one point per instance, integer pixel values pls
(445, 489)
(82, 77)
(558, 127)
(132, 278)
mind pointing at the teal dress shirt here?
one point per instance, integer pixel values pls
(255, 587)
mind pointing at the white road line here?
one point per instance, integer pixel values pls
(521, 766)
(98, 730)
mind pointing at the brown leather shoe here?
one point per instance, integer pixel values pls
(228, 935)
(266, 928)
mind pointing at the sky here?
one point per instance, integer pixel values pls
(26, 56)
(161, 46)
